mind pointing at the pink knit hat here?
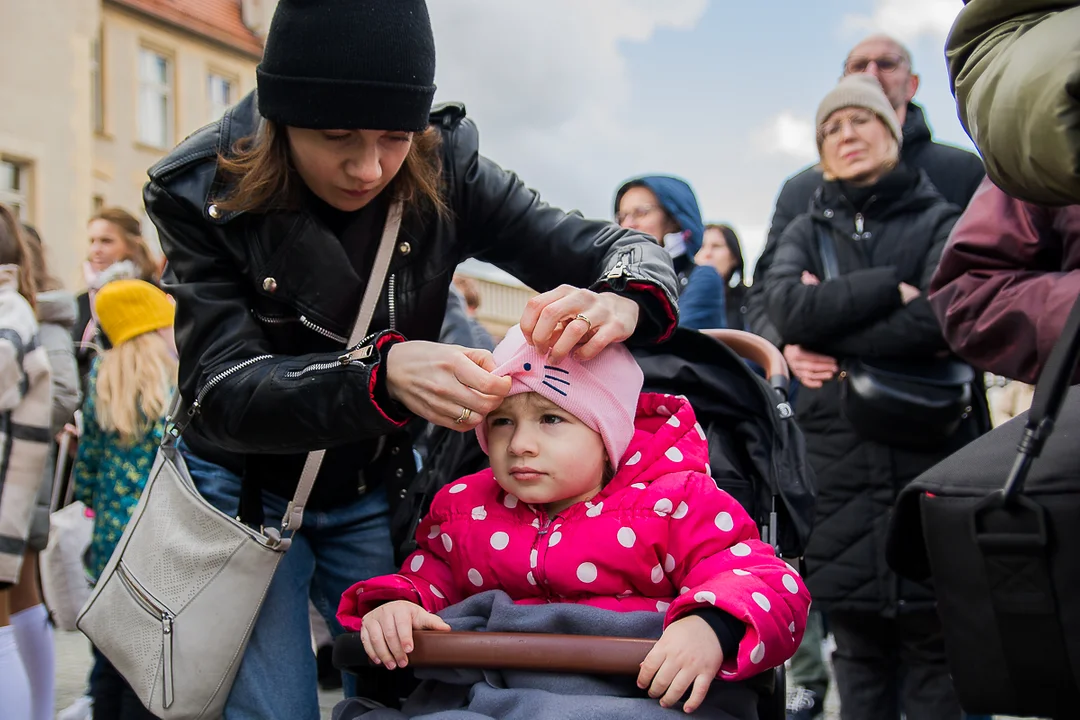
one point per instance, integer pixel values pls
(602, 392)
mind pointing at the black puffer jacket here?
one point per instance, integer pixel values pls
(280, 286)
(861, 314)
(954, 172)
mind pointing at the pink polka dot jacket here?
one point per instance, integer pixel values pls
(660, 537)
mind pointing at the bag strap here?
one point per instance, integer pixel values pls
(1050, 391)
(827, 249)
(294, 513)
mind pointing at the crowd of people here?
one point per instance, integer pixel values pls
(894, 259)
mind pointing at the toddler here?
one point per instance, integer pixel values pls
(599, 495)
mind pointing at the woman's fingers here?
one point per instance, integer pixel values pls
(561, 311)
(574, 331)
(535, 307)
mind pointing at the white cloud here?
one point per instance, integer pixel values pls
(907, 20)
(790, 135)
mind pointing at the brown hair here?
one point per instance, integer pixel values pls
(39, 268)
(137, 250)
(13, 252)
(263, 178)
(470, 290)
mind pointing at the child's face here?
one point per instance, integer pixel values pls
(542, 454)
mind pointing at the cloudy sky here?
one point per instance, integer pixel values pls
(578, 95)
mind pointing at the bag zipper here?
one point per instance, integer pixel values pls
(155, 607)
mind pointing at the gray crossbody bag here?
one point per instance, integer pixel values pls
(174, 608)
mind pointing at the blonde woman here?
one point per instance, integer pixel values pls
(123, 421)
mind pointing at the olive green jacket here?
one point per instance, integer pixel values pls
(1015, 68)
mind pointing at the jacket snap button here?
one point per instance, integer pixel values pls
(213, 212)
(270, 285)
(395, 450)
(828, 213)
(404, 248)
(399, 473)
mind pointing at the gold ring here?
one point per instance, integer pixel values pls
(588, 322)
(466, 413)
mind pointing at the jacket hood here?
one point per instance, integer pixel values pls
(57, 307)
(916, 130)
(677, 197)
(667, 438)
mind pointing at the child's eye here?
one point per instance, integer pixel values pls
(550, 419)
(497, 422)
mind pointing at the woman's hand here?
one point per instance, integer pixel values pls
(387, 631)
(909, 292)
(440, 382)
(561, 319)
(810, 368)
(688, 653)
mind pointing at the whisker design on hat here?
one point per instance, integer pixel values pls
(564, 381)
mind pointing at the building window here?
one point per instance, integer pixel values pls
(96, 87)
(155, 99)
(219, 94)
(14, 186)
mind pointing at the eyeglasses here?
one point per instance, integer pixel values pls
(885, 63)
(634, 213)
(856, 120)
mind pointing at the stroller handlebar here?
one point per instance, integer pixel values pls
(758, 350)
(511, 651)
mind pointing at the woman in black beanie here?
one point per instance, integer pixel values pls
(271, 219)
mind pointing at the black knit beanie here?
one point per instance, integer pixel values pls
(348, 64)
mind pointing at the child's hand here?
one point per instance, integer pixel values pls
(387, 631)
(688, 652)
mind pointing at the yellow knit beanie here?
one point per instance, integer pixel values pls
(129, 308)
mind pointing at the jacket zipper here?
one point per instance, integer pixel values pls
(197, 405)
(860, 220)
(354, 356)
(393, 302)
(303, 320)
(541, 543)
(155, 607)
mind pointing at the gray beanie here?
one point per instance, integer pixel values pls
(861, 91)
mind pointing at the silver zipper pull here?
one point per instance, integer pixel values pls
(356, 354)
(167, 659)
(617, 272)
(859, 223)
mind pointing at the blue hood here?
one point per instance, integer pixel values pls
(677, 197)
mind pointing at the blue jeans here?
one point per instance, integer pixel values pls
(333, 549)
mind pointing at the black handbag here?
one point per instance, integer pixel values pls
(997, 527)
(915, 404)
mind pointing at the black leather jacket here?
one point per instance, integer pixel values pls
(265, 303)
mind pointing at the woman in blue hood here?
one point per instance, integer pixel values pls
(667, 209)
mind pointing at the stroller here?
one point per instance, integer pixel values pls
(756, 454)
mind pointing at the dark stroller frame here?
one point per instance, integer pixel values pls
(581, 653)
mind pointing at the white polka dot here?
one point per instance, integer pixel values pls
(662, 606)
(500, 540)
(725, 522)
(684, 590)
(674, 454)
(708, 469)
(662, 410)
(657, 573)
(625, 594)
(436, 592)
(447, 542)
(674, 421)
(662, 507)
(740, 550)
(536, 523)
(479, 513)
(680, 512)
(791, 628)
(586, 572)
(791, 585)
(510, 501)
(555, 538)
(727, 673)
(474, 577)
(417, 563)
(455, 489)
(700, 430)
(531, 578)
(595, 510)
(758, 653)
(359, 591)
(434, 532)
(639, 486)
(741, 573)
(762, 601)
(669, 564)
(627, 537)
(633, 459)
(534, 557)
(705, 597)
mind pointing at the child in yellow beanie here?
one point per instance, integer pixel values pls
(123, 423)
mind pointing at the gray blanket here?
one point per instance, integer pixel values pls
(447, 694)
